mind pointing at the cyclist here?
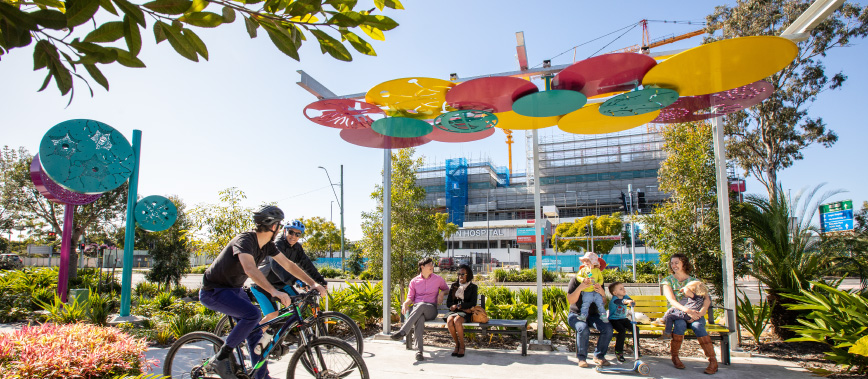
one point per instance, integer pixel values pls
(278, 277)
(223, 281)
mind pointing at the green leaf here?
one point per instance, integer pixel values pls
(108, 32)
(329, 44)
(59, 5)
(251, 26)
(50, 18)
(347, 19)
(303, 7)
(342, 5)
(196, 42)
(78, 12)
(133, 11)
(108, 6)
(373, 32)
(171, 7)
(380, 22)
(14, 18)
(198, 6)
(281, 39)
(202, 19)
(94, 52)
(97, 75)
(228, 15)
(179, 43)
(132, 36)
(41, 54)
(860, 347)
(127, 59)
(159, 35)
(61, 74)
(394, 4)
(359, 44)
(380, 4)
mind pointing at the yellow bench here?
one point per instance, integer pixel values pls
(654, 306)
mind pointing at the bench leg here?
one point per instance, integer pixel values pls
(724, 349)
(524, 342)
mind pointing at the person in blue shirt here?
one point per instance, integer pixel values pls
(618, 316)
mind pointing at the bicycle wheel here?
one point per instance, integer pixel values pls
(187, 356)
(224, 326)
(341, 326)
(330, 357)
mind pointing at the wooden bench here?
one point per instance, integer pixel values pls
(654, 306)
(514, 327)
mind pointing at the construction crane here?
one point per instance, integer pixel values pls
(647, 44)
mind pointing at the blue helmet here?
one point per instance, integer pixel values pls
(295, 224)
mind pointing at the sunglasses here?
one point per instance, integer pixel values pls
(297, 234)
(462, 274)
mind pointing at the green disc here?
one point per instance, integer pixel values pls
(155, 213)
(549, 103)
(466, 121)
(639, 102)
(401, 127)
(86, 156)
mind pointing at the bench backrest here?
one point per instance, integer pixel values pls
(654, 306)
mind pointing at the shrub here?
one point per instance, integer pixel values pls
(61, 313)
(180, 291)
(371, 275)
(329, 271)
(146, 289)
(198, 269)
(180, 325)
(753, 318)
(496, 295)
(526, 275)
(71, 351)
(555, 298)
(100, 306)
(837, 318)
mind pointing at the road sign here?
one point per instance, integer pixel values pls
(837, 216)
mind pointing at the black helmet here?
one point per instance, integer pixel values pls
(268, 215)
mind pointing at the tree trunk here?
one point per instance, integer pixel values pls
(781, 316)
(772, 183)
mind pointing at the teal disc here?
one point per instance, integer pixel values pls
(549, 103)
(465, 121)
(86, 156)
(401, 127)
(155, 213)
(638, 102)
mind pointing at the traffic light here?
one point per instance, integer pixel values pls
(81, 247)
(623, 201)
(640, 196)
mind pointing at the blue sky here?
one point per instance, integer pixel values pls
(236, 120)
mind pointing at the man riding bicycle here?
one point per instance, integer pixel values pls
(222, 285)
(289, 246)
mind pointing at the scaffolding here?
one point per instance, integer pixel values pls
(455, 186)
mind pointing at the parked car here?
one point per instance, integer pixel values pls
(463, 261)
(10, 262)
(446, 264)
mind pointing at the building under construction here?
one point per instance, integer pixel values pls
(579, 175)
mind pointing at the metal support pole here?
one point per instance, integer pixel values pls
(65, 248)
(592, 236)
(343, 267)
(632, 230)
(130, 235)
(537, 225)
(387, 241)
(729, 300)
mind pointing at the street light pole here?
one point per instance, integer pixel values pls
(340, 207)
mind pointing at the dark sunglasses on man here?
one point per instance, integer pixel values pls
(294, 233)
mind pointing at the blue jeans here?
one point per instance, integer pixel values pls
(583, 335)
(234, 303)
(589, 298)
(680, 326)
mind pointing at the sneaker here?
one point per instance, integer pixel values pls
(583, 318)
(605, 319)
(419, 356)
(601, 362)
(583, 363)
(620, 357)
(221, 367)
(397, 336)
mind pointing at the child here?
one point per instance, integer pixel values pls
(695, 292)
(618, 316)
(590, 269)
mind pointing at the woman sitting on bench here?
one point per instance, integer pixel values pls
(681, 269)
(462, 297)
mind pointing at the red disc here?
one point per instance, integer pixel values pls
(440, 135)
(494, 94)
(604, 74)
(370, 138)
(343, 113)
(696, 108)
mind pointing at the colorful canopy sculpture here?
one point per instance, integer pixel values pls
(700, 83)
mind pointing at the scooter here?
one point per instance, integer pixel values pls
(639, 367)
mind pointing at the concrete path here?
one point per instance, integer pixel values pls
(390, 360)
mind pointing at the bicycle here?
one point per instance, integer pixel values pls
(328, 323)
(322, 357)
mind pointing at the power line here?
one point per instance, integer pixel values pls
(302, 194)
(631, 26)
(613, 41)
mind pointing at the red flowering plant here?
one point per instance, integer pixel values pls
(71, 351)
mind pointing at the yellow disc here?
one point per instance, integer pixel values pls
(512, 120)
(589, 120)
(722, 65)
(421, 97)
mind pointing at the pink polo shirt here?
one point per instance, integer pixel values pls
(425, 290)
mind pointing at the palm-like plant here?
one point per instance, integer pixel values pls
(787, 253)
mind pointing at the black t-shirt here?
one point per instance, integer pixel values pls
(226, 271)
(278, 276)
(577, 306)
